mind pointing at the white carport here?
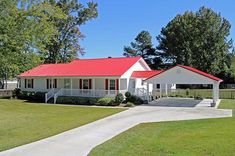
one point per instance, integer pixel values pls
(186, 75)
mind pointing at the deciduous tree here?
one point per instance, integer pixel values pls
(65, 46)
(199, 39)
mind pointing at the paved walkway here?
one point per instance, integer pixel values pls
(80, 141)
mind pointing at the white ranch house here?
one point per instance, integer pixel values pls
(105, 77)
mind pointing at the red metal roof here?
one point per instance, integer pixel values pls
(85, 67)
(145, 74)
(193, 70)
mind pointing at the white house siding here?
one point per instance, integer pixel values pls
(180, 75)
(99, 83)
(38, 86)
(75, 83)
(138, 66)
(60, 83)
(123, 84)
(140, 83)
(40, 83)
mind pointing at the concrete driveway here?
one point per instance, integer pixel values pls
(181, 102)
(80, 141)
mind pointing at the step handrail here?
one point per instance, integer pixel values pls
(57, 94)
(49, 95)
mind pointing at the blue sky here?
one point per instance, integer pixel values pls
(119, 21)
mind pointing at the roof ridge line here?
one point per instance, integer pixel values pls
(106, 58)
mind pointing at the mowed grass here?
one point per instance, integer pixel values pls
(207, 137)
(22, 122)
(227, 104)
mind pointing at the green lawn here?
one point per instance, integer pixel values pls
(207, 137)
(227, 104)
(22, 122)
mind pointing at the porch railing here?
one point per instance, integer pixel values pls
(87, 93)
(141, 92)
(49, 95)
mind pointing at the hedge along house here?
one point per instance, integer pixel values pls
(186, 75)
(102, 77)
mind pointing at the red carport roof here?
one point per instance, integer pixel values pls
(145, 74)
(192, 70)
(84, 67)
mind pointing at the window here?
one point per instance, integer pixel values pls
(158, 86)
(112, 85)
(55, 83)
(51, 83)
(28, 83)
(19, 82)
(85, 84)
(67, 83)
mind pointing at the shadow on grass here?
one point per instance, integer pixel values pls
(176, 102)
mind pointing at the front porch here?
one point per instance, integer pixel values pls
(82, 93)
(84, 87)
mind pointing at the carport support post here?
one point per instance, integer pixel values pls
(154, 91)
(148, 92)
(160, 90)
(215, 93)
(166, 90)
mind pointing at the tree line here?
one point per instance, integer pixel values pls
(33, 32)
(199, 39)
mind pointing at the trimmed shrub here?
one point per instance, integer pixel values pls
(198, 97)
(127, 94)
(76, 100)
(17, 93)
(106, 101)
(39, 96)
(129, 104)
(119, 98)
(135, 99)
(31, 96)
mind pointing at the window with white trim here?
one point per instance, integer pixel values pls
(51, 83)
(112, 84)
(67, 83)
(85, 84)
(158, 86)
(29, 83)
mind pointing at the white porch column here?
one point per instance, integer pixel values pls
(166, 90)
(71, 86)
(93, 87)
(215, 92)
(160, 90)
(148, 92)
(154, 91)
(119, 89)
(52, 83)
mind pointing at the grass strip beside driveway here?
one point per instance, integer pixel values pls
(22, 122)
(204, 137)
